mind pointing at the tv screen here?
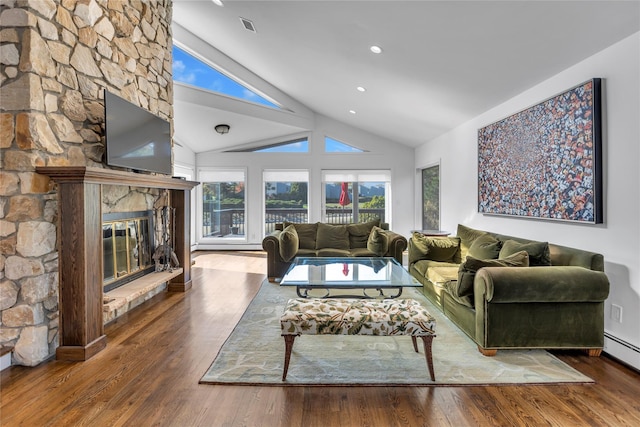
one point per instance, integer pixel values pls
(135, 138)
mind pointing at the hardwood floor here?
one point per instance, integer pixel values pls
(148, 375)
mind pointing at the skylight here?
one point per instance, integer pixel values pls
(192, 71)
(333, 146)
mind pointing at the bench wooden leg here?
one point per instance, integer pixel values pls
(427, 340)
(415, 343)
(288, 347)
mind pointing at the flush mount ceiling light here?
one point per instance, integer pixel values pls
(375, 49)
(222, 129)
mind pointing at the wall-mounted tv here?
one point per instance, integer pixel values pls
(135, 138)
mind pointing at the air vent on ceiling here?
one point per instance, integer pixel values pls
(248, 25)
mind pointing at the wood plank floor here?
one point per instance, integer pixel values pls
(148, 375)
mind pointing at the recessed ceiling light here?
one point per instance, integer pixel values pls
(218, 2)
(375, 49)
(361, 89)
(352, 111)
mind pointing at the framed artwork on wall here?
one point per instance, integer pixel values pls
(545, 161)
(431, 198)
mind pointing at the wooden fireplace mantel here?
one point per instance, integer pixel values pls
(81, 327)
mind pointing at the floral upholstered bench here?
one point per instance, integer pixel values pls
(388, 317)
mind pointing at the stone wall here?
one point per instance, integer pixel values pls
(56, 57)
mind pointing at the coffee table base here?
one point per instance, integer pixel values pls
(303, 292)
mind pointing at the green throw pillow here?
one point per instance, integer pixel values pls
(443, 249)
(485, 247)
(306, 234)
(468, 269)
(467, 236)
(538, 251)
(332, 236)
(288, 243)
(359, 233)
(378, 242)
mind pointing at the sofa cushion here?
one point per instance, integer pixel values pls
(333, 252)
(306, 234)
(443, 274)
(467, 236)
(538, 251)
(378, 242)
(288, 243)
(485, 247)
(425, 266)
(443, 249)
(332, 236)
(359, 233)
(468, 269)
(361, 252)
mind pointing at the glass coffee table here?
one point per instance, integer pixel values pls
(330, 277)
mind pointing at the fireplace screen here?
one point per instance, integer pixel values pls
(127, 239)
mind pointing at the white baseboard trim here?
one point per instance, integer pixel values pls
(5, 361)
(622, 350)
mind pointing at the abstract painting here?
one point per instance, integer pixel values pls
(545, 162)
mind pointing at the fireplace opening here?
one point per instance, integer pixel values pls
(127, 242)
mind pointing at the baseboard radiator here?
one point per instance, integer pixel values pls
(622, 350)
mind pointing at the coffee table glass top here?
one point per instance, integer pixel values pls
(307, 273)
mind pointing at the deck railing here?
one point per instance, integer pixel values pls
(231, 222)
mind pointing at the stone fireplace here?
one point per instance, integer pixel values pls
(57, 57)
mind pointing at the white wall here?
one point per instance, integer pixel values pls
(618, 239)
(382, 154)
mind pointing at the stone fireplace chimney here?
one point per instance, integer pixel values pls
(56, 57)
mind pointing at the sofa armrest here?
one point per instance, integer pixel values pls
(397, 245)
(539, 284)
(275, 263)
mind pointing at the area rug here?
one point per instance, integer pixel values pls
(254, 355)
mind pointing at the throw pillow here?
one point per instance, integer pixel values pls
(443, 249)
(288, 239)
(467, 236)
(378, 242)
(306, 234)
(359, 233)
(485, 247)
(538, 251)
(332, 236)
(468, 269)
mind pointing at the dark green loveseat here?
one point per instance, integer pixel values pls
(556, 303)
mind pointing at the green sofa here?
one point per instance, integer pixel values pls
(319, 239)
(506, 292)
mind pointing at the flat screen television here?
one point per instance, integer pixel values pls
(135, 138)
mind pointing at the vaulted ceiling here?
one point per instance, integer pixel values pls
(442, 62)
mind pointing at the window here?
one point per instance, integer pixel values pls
(286, 197)
(356, 196)
(223, 203)
(192, 71)
(296, 146)
(431, 198)
(334, 146)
